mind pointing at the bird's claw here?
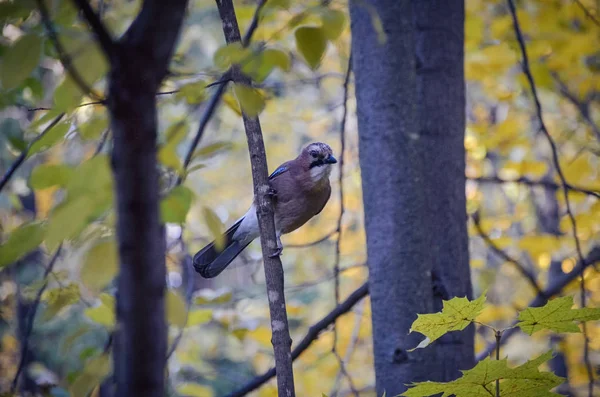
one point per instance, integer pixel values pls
(272, 193)
(276, 253)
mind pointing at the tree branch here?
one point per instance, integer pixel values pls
(582, 107)
(63, 55)
(529, 276)
(264, 208)
(532, 183)
(309, 338)
(550, 291)
(93, 19)
(556, 161)
(587, 12)
(23, 156)
(30, 320)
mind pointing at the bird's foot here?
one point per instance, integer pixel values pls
(272, 193)
(276, 253)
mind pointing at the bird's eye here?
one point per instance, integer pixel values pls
(313, 153)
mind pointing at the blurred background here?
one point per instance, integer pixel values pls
(60, 197)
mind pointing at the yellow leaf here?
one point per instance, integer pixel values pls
(100, 265)
(199, 316)
(311, 41)
(215, 226)
(250, 99)
(175, 309)
(231, 54)
(262, 335)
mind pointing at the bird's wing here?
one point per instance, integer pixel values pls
(280, 170)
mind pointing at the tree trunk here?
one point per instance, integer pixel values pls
(410, 104)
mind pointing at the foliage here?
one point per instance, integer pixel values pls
(297, 59)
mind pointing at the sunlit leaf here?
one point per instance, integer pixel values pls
(334, 22)
(175, 206)
(175, 309)
(556, 315)
(215, 226)
(47, 175)
(20, 60)
(95, 370)
(194, 390)
(103, 314)
(277, 58)
(456, 315)
(59, 298)
(193, 93)
(167, 154)
(231, 54)
(21, 241)
(250, 100)
(199, 316)
(523, 381)
(100, 265)
(311, 41)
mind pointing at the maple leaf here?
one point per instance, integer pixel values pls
(456, 315)
(524, 381)
(555, 315)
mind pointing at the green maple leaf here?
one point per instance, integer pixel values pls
(524, 381)
(556, 315)
(456, 315)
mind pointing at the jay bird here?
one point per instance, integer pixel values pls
(300, 189)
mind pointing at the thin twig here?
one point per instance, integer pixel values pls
(336, 263)
(351, 346)
(582, 107)
(63, 55)
(102, 141)
(188, 272)
(312, 243)
(23, 156)
(532, 183)
(529, 276)
(253, 24)
(102, 35)
(587, 12)
(309, 338)
(30, 320)
(538, 106)
(498, 335)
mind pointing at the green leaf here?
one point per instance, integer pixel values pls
(50, 138)
(334, 22)
(21, 241)
(103, 314)
(68, 220)
(167, 154)
(215, 226)
(523, 381)
(174, 207)
(277, 58)
(457, 314)
(555, 315)
(20, 60)
(194, 390)
(250, 99)
(94, 127)
(47, 175)
(100, 265)
(193, 93)
(211, 150)
(175, 308)
(67, 95)
(311, 41)
(199, 316)
(231, 54)
(95, 370)
(59, 298)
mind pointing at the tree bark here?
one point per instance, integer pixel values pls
(273, 268)
(410, 105)
(139, 62)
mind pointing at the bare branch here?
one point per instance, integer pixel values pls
(556, 161)
(529, 276)
(582, 107)
(264, 209)
(102, 35)
(30, 320)
(63, 55)
(312, 335)
(587, 12)
(253, 23)
(532, 183)
(23, 156)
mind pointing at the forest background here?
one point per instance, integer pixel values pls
(58, 255)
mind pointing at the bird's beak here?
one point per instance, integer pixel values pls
(330, 159)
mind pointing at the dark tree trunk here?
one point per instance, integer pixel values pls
(139, 62)
(410, 102)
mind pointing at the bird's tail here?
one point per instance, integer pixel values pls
(210, 261)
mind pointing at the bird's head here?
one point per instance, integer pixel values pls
(317, 158)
